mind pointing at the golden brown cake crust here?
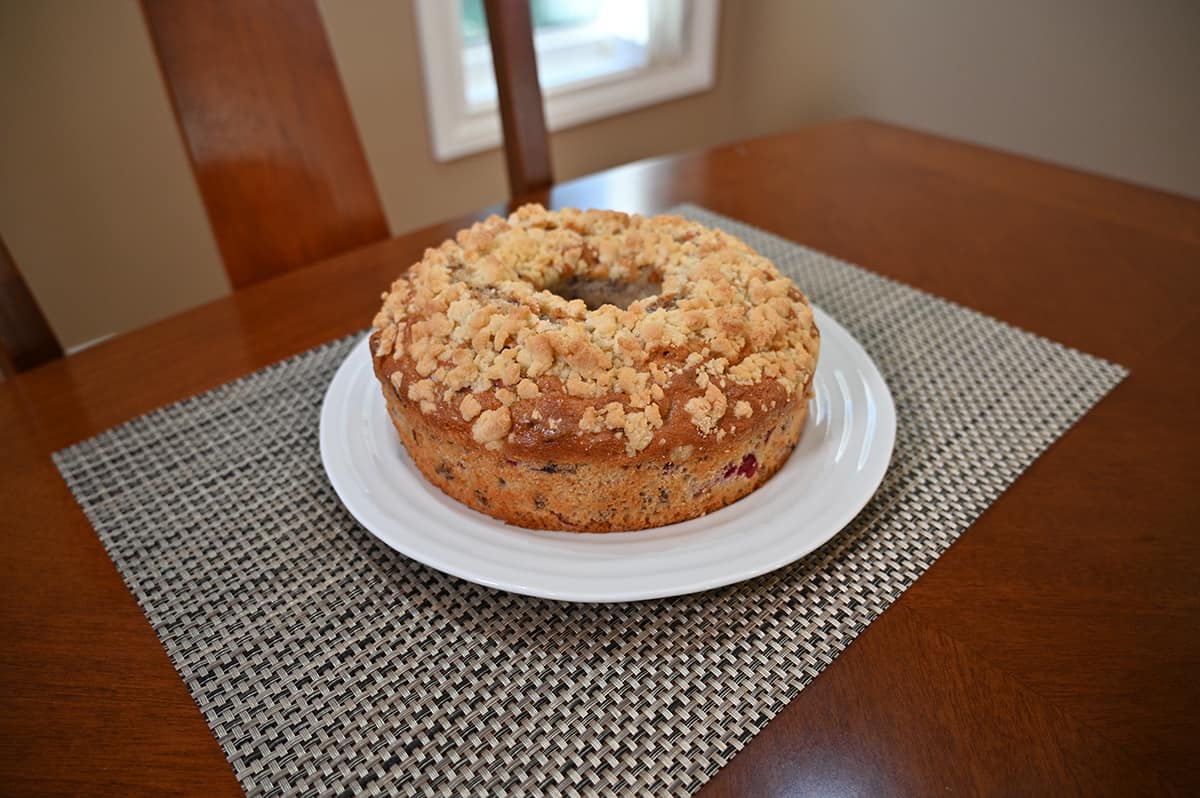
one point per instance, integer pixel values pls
(476, 347)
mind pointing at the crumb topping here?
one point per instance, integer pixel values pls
(469, 407)
(480, 322)
(491, 427)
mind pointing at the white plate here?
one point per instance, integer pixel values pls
(840, 461)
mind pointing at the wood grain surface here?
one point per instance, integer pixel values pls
(268, 129)
(1053, 650)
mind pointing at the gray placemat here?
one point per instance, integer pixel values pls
(327, 664)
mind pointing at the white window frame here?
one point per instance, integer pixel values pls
(457, 131)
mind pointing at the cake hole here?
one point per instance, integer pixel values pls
(596, 292)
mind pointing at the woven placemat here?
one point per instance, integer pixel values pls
(325, 663)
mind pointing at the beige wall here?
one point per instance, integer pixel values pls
(100, 210)
(1109, 86)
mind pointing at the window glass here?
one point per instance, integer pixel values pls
(578, 42)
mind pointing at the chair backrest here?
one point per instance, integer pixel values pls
(26, 340)
(269, 132)
(522, 116)
(273, 145)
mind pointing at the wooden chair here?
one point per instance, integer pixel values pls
(522, 114)
(271, 138)
(268, 129)
(272, 142)
(26, 340)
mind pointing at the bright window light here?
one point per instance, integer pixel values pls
(595, 58)
(577, 42)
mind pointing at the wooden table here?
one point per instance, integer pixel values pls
(1054, 649)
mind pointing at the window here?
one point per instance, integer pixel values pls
(595, 58)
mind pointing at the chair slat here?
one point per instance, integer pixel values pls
(269, 131)
(526, 144)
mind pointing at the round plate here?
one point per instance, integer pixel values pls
(840, 461)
